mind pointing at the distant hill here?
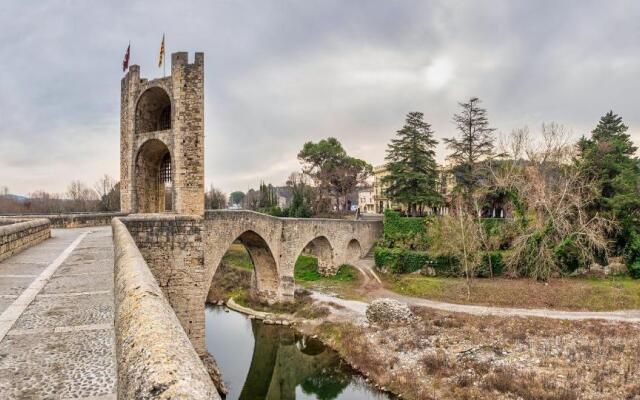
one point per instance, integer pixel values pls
(17, 198)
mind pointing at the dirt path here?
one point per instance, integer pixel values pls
(372, 287)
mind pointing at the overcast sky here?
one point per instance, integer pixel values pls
(279, 73)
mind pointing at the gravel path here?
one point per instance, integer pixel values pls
(56, 323)
(373, 287)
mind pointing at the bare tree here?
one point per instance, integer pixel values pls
(108, 191)
(556, 196)
(215, 199)
(82, 197)
(462, 232)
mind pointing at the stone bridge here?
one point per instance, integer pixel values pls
(184, 251)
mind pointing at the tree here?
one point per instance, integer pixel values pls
(412, 168)
(82, 197)
(302, 197)
(236, 197)
(475, 145)
(108, 190)
(268, 197)
(335, 173)
(215, 199)
(555, 231)
(608, 159)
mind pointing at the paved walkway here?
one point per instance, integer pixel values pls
(372, 287)
(56, 323)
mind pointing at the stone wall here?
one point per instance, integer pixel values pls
(183, 253)
(172, 246)
(154, 356)
(19, 234)
(74, 220)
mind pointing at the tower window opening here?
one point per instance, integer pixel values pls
(165, 119)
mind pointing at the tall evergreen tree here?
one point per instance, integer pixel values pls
(474, 146)
(608, 157)
(413, 172)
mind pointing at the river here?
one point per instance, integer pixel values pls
(273, 362)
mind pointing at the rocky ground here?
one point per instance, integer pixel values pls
(440, 355)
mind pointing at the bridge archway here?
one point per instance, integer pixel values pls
(153, 111)
(264, 281)
(153, 185)
(321, 248)
(354, 250)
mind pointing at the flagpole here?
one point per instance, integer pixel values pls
(164, 58)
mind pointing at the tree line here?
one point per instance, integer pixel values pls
(79, 197)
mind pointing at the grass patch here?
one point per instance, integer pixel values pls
(238, 256)
(306, 270)
(594, 294)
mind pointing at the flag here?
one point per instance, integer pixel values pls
(161, 59)
(125, 62)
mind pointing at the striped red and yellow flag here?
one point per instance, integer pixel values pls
(161, 59)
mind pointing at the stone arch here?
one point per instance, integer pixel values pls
(321, 248)
(354, 250)
(264, 282)
(153, 179)
(153, 111)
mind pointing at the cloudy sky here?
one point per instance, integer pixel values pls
(279, 73)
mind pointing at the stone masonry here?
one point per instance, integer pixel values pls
(162, 120)
(183, 253)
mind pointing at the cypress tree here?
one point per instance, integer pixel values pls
(412, 169)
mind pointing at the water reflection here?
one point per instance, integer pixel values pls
(273, 362)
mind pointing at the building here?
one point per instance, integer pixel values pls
(366, 204)
(445, 185)
(380, 199)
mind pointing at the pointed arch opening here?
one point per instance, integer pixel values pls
(153, 178)
(153, 111)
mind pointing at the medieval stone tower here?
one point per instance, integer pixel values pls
(162, 139)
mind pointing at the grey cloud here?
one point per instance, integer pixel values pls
(279, 73)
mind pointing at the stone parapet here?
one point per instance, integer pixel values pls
(74, 220)
(172, 246)
(154, 355)
(17, 234)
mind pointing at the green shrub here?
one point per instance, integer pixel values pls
(410, 261)
(405, 232)
(492, 264)
(634, 270)
(385, 257)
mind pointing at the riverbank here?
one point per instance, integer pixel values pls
(441, 355)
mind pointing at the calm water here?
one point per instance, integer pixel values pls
(272, 362)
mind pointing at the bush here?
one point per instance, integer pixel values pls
(400, 261)
(405, 232)
(491, 265)
(634, 270)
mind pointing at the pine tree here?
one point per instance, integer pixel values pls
(474, 146)
(411, 165)
(608, 158)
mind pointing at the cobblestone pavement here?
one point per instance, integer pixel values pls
(56, 318)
